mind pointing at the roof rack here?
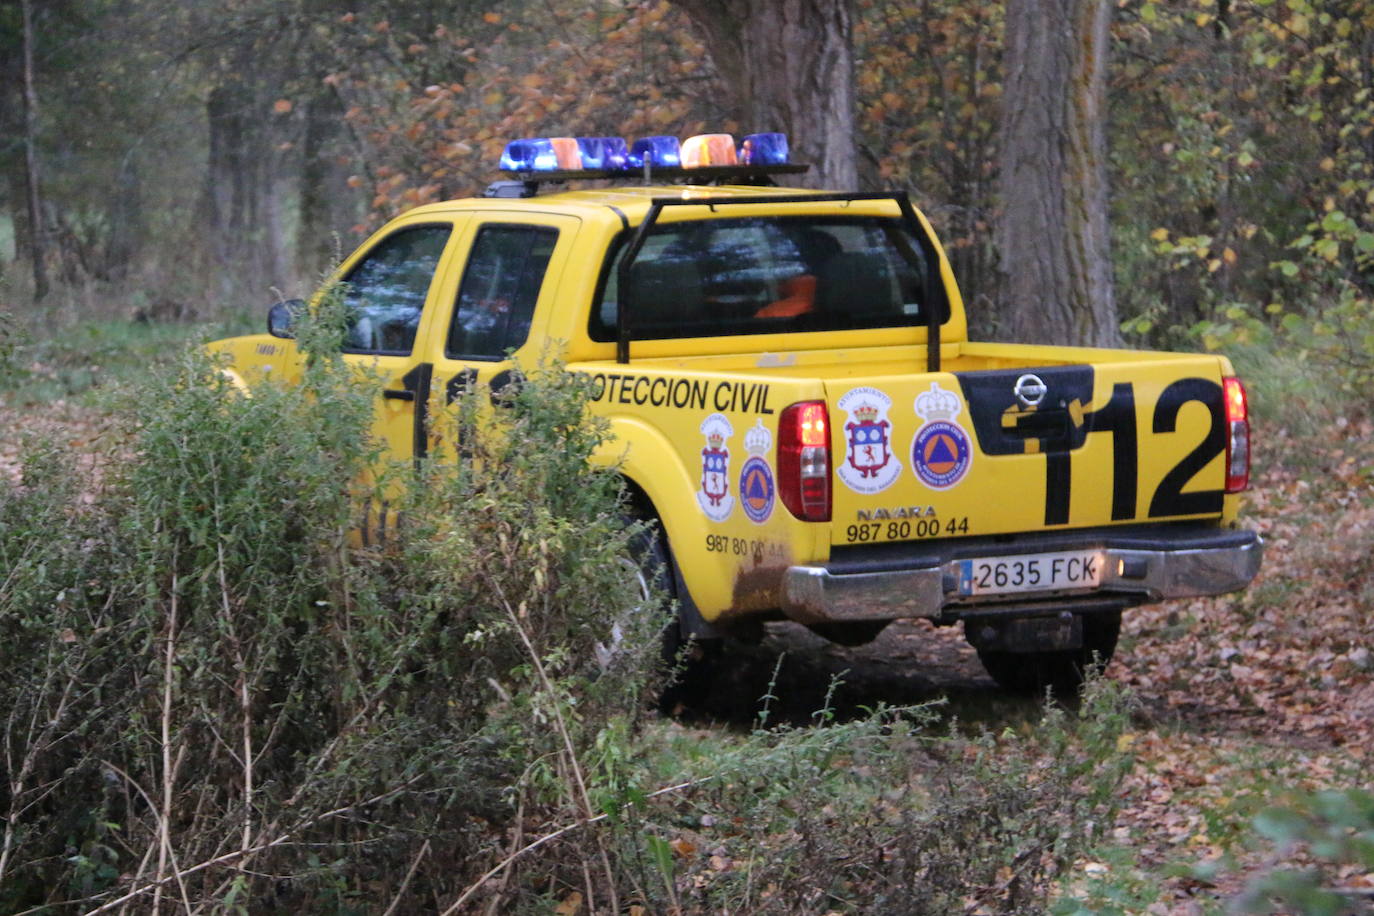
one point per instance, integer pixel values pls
(526, 184)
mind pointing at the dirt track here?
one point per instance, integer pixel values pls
(910, 662)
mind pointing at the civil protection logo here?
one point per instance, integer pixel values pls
(714, 496)
(941, 452)
(869, 465)
(757, 490)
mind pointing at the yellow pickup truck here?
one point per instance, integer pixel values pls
(796, 404)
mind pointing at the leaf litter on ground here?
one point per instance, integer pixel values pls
(1247, 700)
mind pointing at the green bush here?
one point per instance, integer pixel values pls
(217, 697)
(9, 345)
(1307, 349)
(60, 644)
(876, 816)
(83, 359)
(1331, 830)
(227, 687)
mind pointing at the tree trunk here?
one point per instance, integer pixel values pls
(38, 249)
(790, 67)
(16, 176)
(1053, 234)
(124, 211)
(328, 207)
(238, 206)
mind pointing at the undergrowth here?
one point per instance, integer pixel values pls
(218, 697)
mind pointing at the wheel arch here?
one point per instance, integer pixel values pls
(690, 620)
(659, 489)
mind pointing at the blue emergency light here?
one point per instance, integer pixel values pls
(603, 152)
(535, 155)
(763, 149)
(661, 151)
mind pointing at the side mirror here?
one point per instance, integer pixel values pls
(281, 319)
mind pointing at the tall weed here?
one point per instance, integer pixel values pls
(62, 647)
(874, 815)
(218, 697)
(214, 682)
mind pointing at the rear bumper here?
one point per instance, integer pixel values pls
(1140, 565)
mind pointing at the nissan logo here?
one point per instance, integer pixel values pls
(1029, 390)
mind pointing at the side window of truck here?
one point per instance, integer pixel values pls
(768, 275)
(500, 287)
(385, 292)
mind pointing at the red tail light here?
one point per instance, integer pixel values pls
(1238, 435)
(804, 460)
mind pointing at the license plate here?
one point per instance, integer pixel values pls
(1036, 572)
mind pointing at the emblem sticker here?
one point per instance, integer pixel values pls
(941, 452)
(714, 497)
(869, 465)
(756, 488)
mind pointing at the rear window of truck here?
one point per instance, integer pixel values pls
(767, 275)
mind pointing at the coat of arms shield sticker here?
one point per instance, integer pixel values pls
(869, 465)
(714, 496)
(757, 490)
(941, 452)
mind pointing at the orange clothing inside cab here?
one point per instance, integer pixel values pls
(798, 298)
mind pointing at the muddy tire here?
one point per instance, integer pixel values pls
(1062, 671)
(650, 570)
(690, 662)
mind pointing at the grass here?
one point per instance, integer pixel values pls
(80, 361)
(91, 356)
(82, 341)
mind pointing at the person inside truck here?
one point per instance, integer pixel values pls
(798, 293)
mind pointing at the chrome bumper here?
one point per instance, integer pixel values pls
(1136, 570)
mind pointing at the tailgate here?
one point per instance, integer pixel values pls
(954, 454)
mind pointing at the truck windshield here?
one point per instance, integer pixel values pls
(767, 275)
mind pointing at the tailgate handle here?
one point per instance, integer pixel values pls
(1039, 424)
(1062, 425)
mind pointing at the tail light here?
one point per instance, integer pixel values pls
(804, 460)
(1238, 435)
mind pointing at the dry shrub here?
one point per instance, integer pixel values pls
(214, 698)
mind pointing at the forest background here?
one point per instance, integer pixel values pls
(170, 168)
(187, 159)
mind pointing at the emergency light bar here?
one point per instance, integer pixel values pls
(705, 157)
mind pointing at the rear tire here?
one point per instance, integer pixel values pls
(651, 567)
(1063, 671)
(689, 661)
